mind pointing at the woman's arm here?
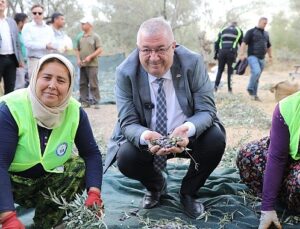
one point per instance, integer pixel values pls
(277, 160)
(89, 151)
(8, 144)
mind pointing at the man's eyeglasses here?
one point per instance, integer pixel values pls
(159, 51)
(39, 13)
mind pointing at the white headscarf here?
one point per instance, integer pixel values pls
(49, 117)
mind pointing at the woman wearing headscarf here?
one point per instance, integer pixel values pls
(38, 128)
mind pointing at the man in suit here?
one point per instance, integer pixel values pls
(190, 114)
(10, 50)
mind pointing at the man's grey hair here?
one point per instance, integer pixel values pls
(234, 23)
(263, 19)
(155, 26)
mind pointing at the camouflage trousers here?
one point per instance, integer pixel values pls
(28, 192)
(251, 162)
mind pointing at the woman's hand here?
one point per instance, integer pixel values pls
(94, 197)
(267, 218)
(9, 220)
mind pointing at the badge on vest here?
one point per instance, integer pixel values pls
(61, 149)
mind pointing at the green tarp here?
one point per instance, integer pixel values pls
(226, 207)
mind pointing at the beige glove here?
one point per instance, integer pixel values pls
(267, 218)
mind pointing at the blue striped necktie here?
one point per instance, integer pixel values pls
(160, 162)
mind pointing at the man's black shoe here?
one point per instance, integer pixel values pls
(191, 206)
(152, 199)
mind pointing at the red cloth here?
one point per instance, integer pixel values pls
(12, 222)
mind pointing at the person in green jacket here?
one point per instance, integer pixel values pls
(39, 126)
(22, 73)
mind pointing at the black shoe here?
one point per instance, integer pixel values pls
(216, 88)
(152, 199)
(256, 98)
(192, 208)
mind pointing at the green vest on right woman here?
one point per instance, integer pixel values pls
(290, 111)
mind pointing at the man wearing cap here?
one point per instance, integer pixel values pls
(62, 42)
(38, 37)
(87, 51)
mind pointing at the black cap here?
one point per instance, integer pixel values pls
(55, 15)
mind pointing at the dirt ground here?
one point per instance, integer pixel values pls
(103, 120)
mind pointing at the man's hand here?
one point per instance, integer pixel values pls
(154, 149)
(180, 131)
(50, 47)
(87, 59)
(21, 64)
(270, 60)
(267, 218)
(216, 56)
(10, 221)
(242, 57)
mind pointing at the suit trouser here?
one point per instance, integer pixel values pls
(226, 56)
(8, 67)
(207, 150)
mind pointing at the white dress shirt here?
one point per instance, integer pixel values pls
(36, 37)
(6, 41)
(175, 115)
(62, 42)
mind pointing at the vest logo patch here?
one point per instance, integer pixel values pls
(61, 149)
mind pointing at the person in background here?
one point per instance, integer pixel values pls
(87, 52)
(61, 42)
(39, 126)
(226, 48)
(162, 89)
(258, 42)
(22, 74)
(10, 49)
(38, 37)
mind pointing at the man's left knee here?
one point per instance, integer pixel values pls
(217, 136)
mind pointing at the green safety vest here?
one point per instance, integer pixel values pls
(28, 151)
(290, 111)
(234, 42)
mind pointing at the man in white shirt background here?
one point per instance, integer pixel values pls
(62, 42)
(38, 37)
